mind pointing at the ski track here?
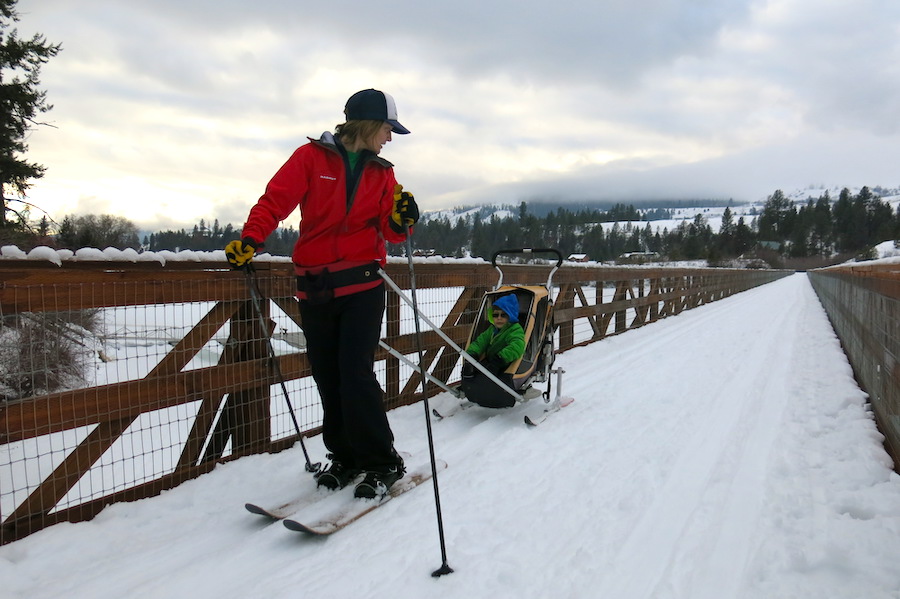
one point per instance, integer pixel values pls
(647, 501)
(713, 429)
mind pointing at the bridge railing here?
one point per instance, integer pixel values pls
(121, 379)
(863, 303)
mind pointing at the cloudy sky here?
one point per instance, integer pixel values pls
(169, 111)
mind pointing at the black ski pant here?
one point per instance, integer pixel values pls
(341, 338)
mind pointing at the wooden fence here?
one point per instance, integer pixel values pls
(863, 304)
(119, 380)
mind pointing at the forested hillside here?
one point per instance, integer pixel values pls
(821, 226)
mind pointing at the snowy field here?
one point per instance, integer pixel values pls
(722, 453)
(713, 215)
(686, 215)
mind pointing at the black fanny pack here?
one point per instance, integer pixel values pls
(319, 287)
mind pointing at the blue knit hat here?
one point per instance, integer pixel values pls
(510, 305)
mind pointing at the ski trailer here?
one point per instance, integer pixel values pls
(482, 387)
(536, 318)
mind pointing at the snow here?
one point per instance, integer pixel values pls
(722, 453)
(887, 253)
(44, 253)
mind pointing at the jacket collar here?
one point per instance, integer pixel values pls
(330, 142)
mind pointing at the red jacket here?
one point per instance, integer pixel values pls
(339, 228)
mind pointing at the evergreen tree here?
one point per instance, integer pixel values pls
(775, 220)
(743, 237)
(43, 227)
(879, 225)
(897, 227)
(727, 227)
(801, 231)
(844, 221)
(480, 239)
(594, 244)
(727, 233)
(20, 103)
(859, 227)
(822, 240)
(646, 238)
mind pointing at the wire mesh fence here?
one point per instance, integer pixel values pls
(118, 381)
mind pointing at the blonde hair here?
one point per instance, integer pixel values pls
(354, 131)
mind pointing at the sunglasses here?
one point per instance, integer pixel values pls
(500, 315)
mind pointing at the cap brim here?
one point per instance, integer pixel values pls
(396, 127)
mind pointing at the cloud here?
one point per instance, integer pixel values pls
(170, 109)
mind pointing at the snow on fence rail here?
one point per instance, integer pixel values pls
(863, 303)
(119, 379)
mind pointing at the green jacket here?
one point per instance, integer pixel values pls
(508, 343)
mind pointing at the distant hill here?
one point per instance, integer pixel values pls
(541, 209)
(681, 209)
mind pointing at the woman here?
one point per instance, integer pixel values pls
(350, 204)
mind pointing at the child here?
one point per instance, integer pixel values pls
(504, 342)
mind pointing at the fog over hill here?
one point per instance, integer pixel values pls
(681, 209)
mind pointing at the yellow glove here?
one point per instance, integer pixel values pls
(240, 252)
(405, 211)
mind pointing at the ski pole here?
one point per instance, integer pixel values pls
(255, 296)
(445, 567)
(450, 342)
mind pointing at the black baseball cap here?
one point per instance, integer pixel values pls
(374, 105)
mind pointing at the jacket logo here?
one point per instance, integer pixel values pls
(328, 177)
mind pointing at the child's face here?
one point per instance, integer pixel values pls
(500, 318)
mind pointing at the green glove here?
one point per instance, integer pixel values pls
(240, 252)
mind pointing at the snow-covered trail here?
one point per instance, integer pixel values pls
(704, 503)
(725, 452)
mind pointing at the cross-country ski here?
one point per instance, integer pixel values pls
(340, 508)
(554, 407)
(286, 509)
